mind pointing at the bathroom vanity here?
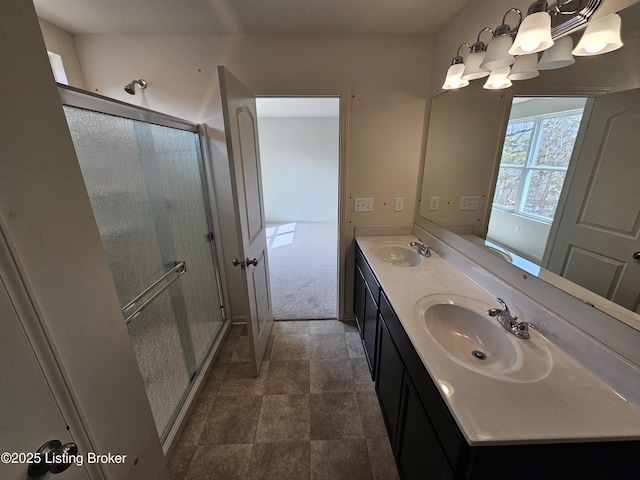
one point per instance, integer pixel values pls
(461, 396)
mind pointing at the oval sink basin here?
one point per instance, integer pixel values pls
(461, 328)
(399, 254)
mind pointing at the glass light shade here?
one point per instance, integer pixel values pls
(497, 55)
(453, 79)
(472, 70)
(558, 56)
(525, 67)
(498, 79)
(534, 35)
(602, 36)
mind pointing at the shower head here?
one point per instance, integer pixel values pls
(130, 88)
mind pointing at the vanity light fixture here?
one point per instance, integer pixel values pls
(525, 67)
(558, 56)
(454, 74)
(498, 55)
(498, 79)
(472, 70)
(545, 29)
(602, 36)
(534, 33)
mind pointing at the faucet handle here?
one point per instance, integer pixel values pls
(505, 309)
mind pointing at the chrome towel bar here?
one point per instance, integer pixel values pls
(180, 268)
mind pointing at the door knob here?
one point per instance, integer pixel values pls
(51, 457)
(636, 255)
(253, 262)
(237, 262)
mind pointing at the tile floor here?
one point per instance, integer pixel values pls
(312, 413)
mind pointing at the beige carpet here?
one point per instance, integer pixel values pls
(303, 270)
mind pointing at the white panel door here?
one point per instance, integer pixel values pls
(598, 233)
(240, 121)
(29, 413)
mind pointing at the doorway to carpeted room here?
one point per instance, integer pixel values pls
(300, 156)
(303, 269)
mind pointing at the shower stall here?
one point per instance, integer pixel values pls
(148, 187)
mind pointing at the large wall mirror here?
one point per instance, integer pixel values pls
(574, 221)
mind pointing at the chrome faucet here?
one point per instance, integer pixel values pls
(422, 248)
(519, 329)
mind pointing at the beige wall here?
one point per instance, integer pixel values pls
(63, 43)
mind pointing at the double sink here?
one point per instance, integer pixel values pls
(465, 333)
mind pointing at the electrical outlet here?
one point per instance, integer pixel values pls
(399, 204)
(363, 205)
(434, 204)
(469, 203)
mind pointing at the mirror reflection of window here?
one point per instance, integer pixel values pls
(538, 146)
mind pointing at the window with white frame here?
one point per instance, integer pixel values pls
(534, 163)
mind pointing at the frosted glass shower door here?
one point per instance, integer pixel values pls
(145, 186)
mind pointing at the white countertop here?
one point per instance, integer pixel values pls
(563, 403)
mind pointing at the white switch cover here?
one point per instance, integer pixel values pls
(434, 204)
(399, 204)
(469, 203)
(363, 205)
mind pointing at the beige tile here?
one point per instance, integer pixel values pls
(350, 326)
(290, 347)
(180, 460)
(237, 330)
(197, 420)
(334, 415)
(362, 380)
(288, 378)
(288, 327)
(227, 349)
(328, 345)
(383, 465)
(332, 375)
(283, 418)
(326, 326)
(345, 459)
(232, 419)
(354, 345)
(241, 380)
(286, 461)
(228, 462)
(212, 384)
(372, 421)
(241, 352)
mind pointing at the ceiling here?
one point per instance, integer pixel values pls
(417, 17)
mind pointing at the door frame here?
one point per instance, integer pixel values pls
(343, 93)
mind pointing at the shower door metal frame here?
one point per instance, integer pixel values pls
(78, 98)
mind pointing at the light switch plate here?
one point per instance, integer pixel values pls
(363, 205)
(469, 203)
